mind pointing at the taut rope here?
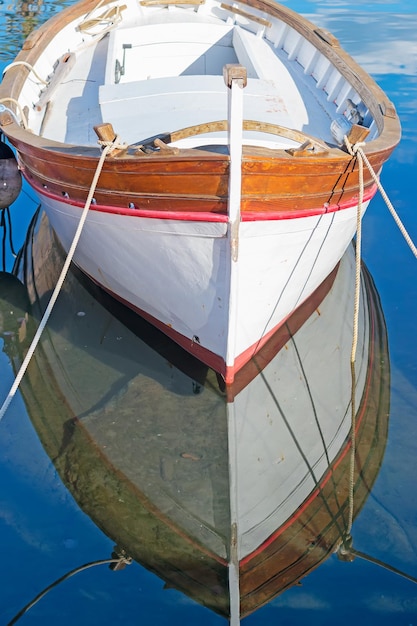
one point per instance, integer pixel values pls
(362, 158)
(108, 147)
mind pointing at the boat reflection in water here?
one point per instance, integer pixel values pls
(226, 493)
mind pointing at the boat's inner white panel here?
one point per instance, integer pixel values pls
(153, 78)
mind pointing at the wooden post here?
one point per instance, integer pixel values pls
(235, 77)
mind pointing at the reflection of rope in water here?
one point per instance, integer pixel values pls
(347, 553)
(6, 227)
(118, 561)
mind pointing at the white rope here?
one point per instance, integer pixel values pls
(358, 150)
(3, 108)
(58, 286)
(28, 66)
(111, 17)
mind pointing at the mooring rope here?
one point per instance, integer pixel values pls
(120, 561)
(108, 147)
(346, 552)
(358, 150)
(28, 66)
(3, 108)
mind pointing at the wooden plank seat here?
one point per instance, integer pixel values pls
(170, 49)
(131, 107)
(192, 71)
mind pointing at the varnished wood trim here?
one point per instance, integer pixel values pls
(249, 16)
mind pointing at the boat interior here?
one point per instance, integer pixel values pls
(161, 70)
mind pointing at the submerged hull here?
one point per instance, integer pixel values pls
(217, 225)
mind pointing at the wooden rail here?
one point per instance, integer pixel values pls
(249, 16)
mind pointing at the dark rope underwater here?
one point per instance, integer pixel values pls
(118, 561)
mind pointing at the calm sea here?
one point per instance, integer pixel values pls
(66, 495)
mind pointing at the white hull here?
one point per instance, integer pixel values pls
(180, 273)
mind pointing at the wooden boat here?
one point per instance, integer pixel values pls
(229, 495)
(228, 195)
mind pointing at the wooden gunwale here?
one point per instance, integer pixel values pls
(171, 182)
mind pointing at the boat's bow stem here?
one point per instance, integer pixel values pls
(235, 77)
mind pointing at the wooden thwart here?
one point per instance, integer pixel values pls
(249, 16)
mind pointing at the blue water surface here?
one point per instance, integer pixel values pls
(43, 531)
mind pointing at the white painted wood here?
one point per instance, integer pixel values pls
(188, 100)
(235, 124)
(170, 49)
(280, 263)
(180, 44)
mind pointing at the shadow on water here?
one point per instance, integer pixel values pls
(188, 477)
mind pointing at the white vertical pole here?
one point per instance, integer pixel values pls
(235, 77)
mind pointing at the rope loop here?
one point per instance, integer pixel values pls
(114, 144)
(5, 109)
(353, 149)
